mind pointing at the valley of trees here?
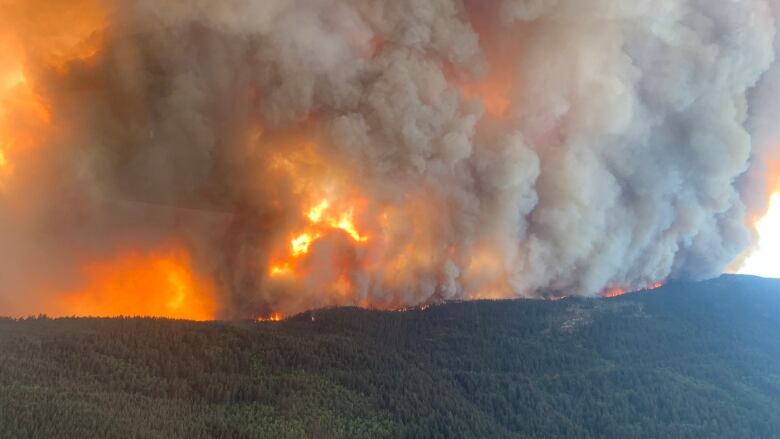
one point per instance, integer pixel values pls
(689, 360)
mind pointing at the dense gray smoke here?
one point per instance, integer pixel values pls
(483, 148)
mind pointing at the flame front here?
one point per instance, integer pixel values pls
(159, 284)
(617, 291)
(273, 317)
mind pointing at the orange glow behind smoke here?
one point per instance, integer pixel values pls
(24, 121)
(496, 90)
(12, 82)
(762, 258)
(5, 168)
(160, 284)
(494, 93)
(323, 219)
(38, 36)
(54, 33)
(50, 38)
(616, 292)
(47, 38)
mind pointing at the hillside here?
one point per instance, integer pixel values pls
(689, 360)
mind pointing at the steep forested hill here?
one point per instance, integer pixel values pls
(689, 360)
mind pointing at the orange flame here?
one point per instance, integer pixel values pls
(655, 286)
(273, 317)
(617, 291)
(315, 213)
(300, 244)
(322, 219)
(343, 221)
(160, 284)
(614, 292)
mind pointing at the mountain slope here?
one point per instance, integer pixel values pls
(686, 360)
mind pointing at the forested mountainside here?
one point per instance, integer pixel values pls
(688, 360)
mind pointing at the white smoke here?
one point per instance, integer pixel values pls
(622, 158)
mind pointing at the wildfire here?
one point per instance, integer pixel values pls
(330, 186)
(345, 221)
(41, 36)
(614, 292)
(300, 244)
(273, 317)
(160, 284)
(764, 257)
(316, 212)
(617, 291)
(322, 220)
(56, 32)
(283, 269)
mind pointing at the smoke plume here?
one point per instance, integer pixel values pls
(293, 154)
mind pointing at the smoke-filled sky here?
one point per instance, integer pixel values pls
(233, 159)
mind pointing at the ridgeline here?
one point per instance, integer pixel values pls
(689, 360)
